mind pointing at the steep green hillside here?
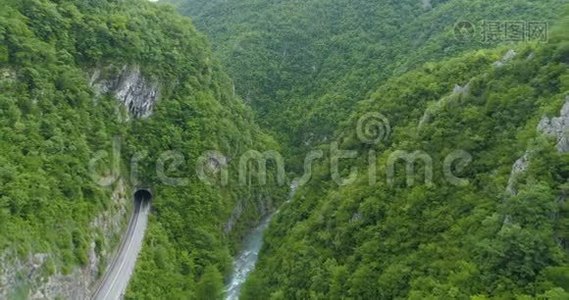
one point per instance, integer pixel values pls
(100, 97)
(303, 65)
(59, 110)
(492, 223)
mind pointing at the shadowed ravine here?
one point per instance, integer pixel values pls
(245, 262)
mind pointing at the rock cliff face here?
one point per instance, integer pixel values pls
(37, 277)
(557, 127)
(435, 107)
(263, 206)
(506, 58)
(519, 167)
(129, 87)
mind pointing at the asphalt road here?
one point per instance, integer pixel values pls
(117, 276)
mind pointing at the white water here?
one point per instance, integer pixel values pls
(245, 262)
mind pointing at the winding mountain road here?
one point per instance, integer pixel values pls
(117, 276)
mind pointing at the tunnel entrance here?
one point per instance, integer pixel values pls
(142, 196)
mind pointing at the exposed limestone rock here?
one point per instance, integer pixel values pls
(129, 87)
(32, 275)
(519, 167)
(235, 214)
(356, 217)
(427, 4)
(462, 90)
(7, 75)
(263, 208)
(435, 107)
(557, 127)
(506, 58)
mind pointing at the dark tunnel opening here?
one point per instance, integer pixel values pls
(142, 196)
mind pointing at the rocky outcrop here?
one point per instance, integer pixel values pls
(461, 90)
(138, 94)
(558, 127)
(37, 277)
(506, 58)
(519, 167)
(427, 5)
(262, 205)
(7, 75)
(235, 215)
(434, 108)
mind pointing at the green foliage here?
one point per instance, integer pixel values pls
(440, 241)
(210, 286)
(52, 123)
(304, 65)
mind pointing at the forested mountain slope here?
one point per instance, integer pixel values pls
(460, 193)
(88, 88)
(304, 64)
(492, 221)
(463, 196)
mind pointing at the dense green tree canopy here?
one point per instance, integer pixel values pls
(444, 240)
(303, 65)
(456, 223)
(306, 66)
(53, 123)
